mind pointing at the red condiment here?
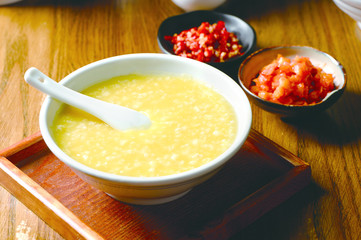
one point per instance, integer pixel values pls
(296, 82)
(206, 43)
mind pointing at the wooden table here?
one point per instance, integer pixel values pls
(60, 36)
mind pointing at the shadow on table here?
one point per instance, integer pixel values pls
(247, 9)
(281, 222)
(339, 125)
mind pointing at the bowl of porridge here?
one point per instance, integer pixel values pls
(200, 119)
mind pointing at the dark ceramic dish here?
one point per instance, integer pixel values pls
(244, 32)
(251, 66)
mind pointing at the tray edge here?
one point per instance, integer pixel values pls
(37, 199)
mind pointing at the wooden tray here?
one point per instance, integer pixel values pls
(258, 178)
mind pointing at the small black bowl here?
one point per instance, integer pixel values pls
(252, 65)
(244, 32)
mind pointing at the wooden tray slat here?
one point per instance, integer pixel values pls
(42, 203)
(258, 178)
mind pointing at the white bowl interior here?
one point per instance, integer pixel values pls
(350, 10)
(150, 64)
(354, 3)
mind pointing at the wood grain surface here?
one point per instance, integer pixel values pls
(58, 37)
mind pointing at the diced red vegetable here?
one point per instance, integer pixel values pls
(206, 43)
(292, 82)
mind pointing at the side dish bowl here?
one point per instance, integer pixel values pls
(244, 32)
(193, 5)
(149, 190)
(252, 65)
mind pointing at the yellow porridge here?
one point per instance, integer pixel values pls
(191, 125)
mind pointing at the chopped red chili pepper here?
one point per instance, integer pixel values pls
(206, 43)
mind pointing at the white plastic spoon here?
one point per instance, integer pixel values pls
(116, 116)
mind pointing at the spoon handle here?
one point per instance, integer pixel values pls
(47, 85)
(121, 117)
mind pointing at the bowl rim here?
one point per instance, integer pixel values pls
(175, 179)
(352, 11)
(353, 3)
(8, 2)
(209, 14)
(204, 5)
(295, 107)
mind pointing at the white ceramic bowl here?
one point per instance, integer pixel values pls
(151, 190)
(193, 5)
(350, 9)
(7, 2)
(354, 3)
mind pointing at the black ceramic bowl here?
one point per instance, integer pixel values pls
(252, 65)
(244, 32)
